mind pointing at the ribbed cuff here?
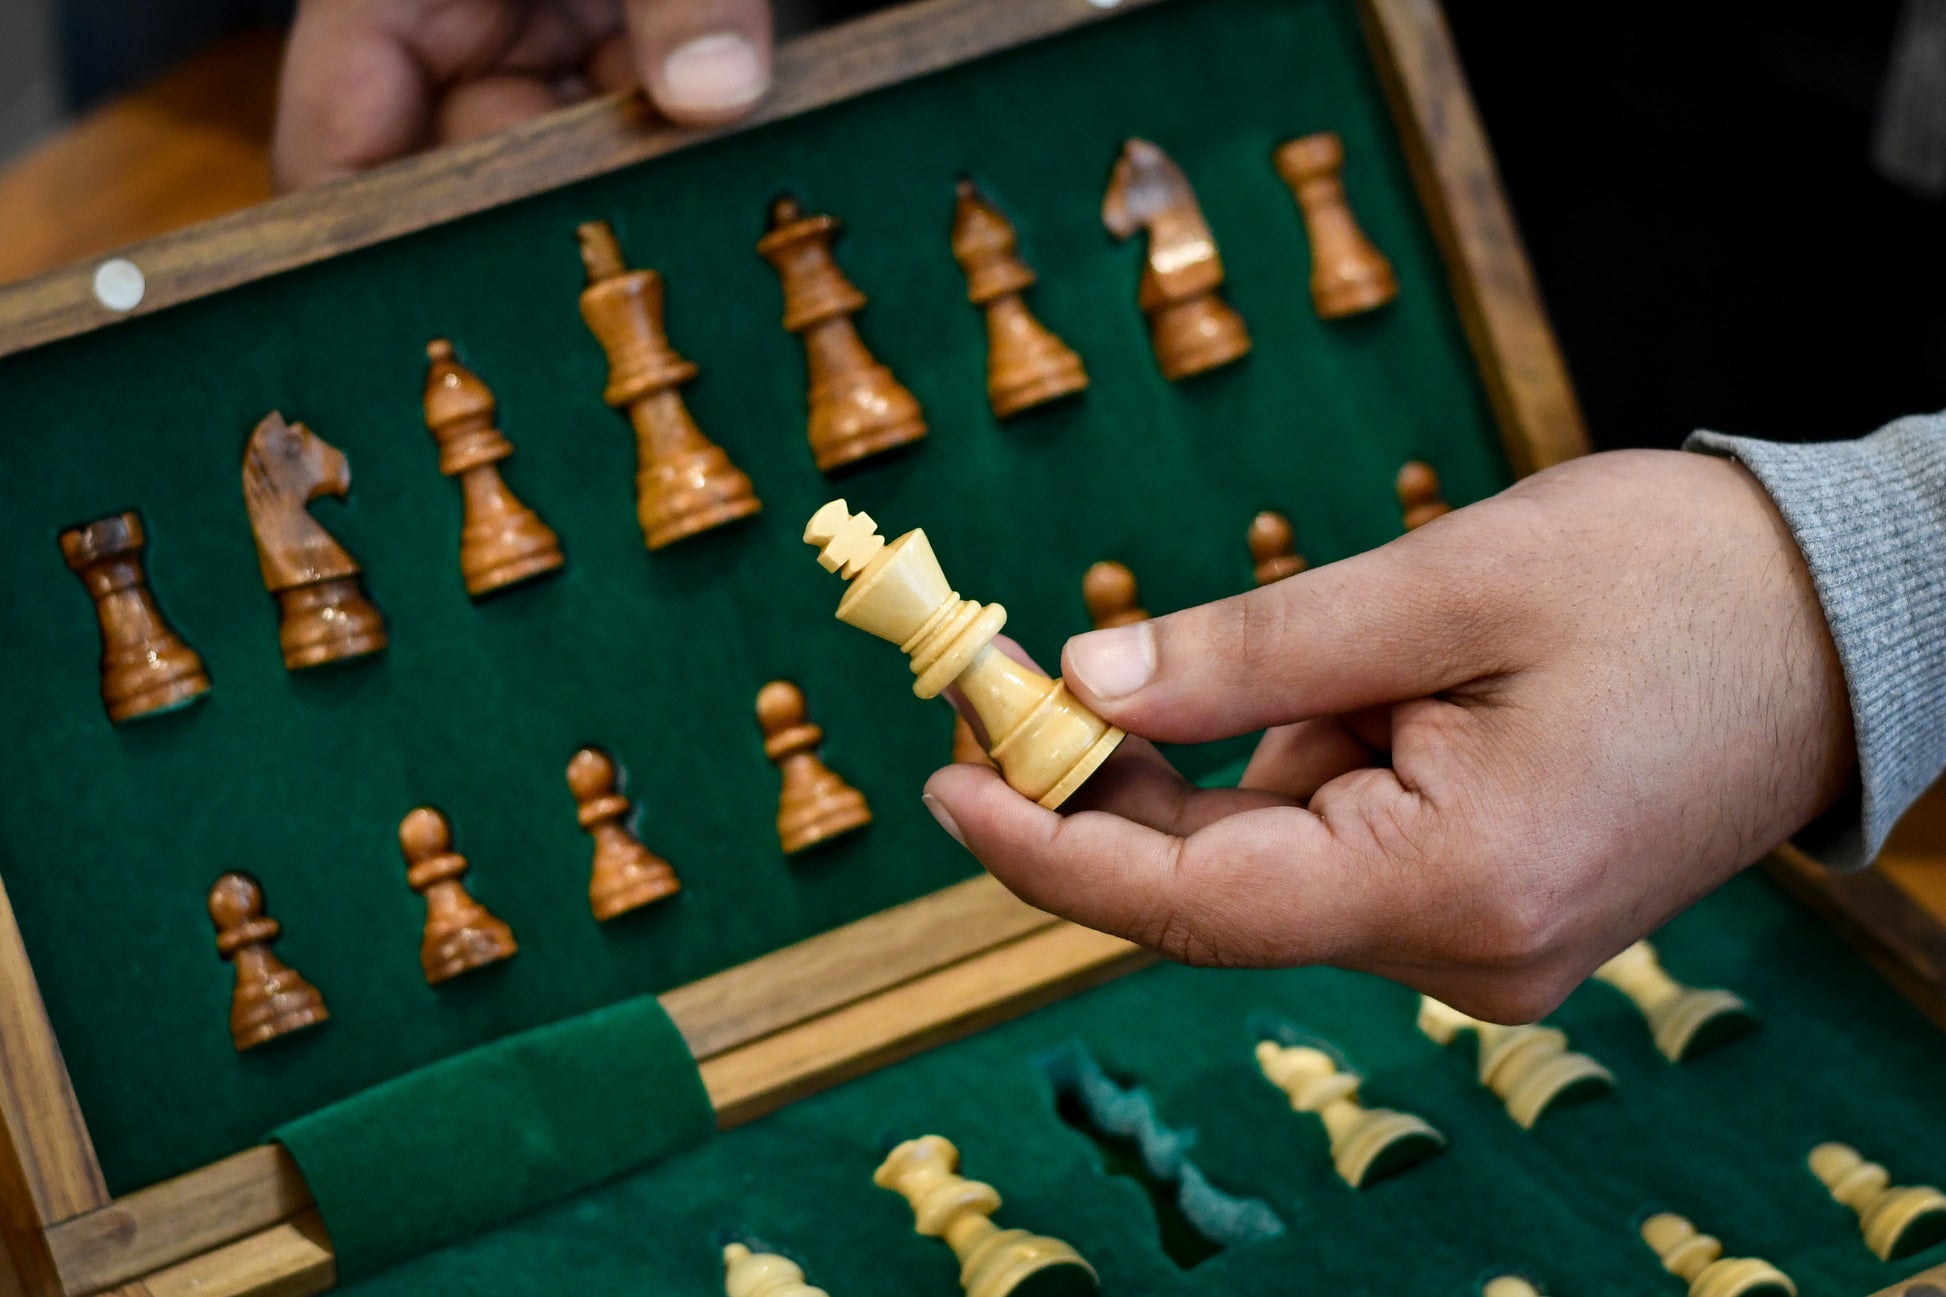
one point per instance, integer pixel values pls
(1870, 518)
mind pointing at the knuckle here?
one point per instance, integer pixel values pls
(1517, 999)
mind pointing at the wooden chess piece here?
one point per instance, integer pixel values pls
(1273, 548)
(323, 614)
(815, 804)
(1026, 364)
(1108, 589)
(857, 408)
(684, 482)
(1348, 274)
(627, 875)
(271, 998)
(1192, 328)
(1419, 498)
(1529, 1067)
(1044, 741)
(763, 1274)
(1895, 1220)
(146, 669)
(460, 934)
(1509, 1285)
(945, 1205)
(1366, 1143)
(1698, 1260)
(1683, 1020)
(502, 542)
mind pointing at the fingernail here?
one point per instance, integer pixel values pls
(1113, 663)
(945, 820)
(717, 73)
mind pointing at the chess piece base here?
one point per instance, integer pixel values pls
(447, 955)
(1004, 1262)
(287, 1003)
(520, 553)
(1013, 393)
(1905, 1221)
(1698, 1020)
(1383, 1143)
(157, 685)
(1195, 336)
(700, 490)
(635, 885)
(1077, 775)
(1338, 297)
(834, 447)
(1742, 1277)
(824, 815)
(329, 621)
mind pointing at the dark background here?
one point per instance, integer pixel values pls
(1693, 180)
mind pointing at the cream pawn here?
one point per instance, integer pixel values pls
(1530, 1068)
(1509, 1285)
(945, 1204)
(763, 1274)
(1683, 1020)
(1044, 741)
(1366, 1143)
(1896, 1220)
(1698, 1259)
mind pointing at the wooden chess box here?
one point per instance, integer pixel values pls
(875, 986)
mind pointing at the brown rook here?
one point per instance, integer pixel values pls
(815, 804)
(684, 482)
(502, 542)
(857, 408)
(627, 875)
(145, 666)
(1348, 274)
(1026, 364)
(270, 999)
(460, 934)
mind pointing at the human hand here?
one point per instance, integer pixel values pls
(369, 81)
(1503, 747)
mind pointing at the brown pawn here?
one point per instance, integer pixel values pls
(145, 666)
(1191, 327)
(1348, 274)
(1419, 498)
(271, 998)
(684, 482)
(323, 614)
(857, 408)
(627, 875)
(460, 934)
(1108, 588)
(501, 541)
(1273, 547)
(1026, 364)
(815, 805)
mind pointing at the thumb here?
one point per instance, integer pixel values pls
(703, 62)
(1406, 620)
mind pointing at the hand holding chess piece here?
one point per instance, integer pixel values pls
(1045, 744)
(1491, 756)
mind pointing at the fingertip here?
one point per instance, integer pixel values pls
(710, 78)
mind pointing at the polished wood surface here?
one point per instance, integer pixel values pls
(814, 804)
(323, 613)
(1191, 327)
(1044, 740)
(857, 408)
(145, 666)
(684, 482)
(461, 934)
(1027, 365)
(501, 542)
(1349, 275)
(626, 874)
(269, 998)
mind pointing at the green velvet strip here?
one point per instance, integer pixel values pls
(438, 1155)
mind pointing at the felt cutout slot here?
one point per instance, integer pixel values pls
(1195, 1220)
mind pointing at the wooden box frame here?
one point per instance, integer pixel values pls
(861, 996)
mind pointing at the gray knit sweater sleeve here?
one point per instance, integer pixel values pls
(1870, 516)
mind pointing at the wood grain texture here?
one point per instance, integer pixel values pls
(1459, 185)
(289, 1260)
(1898, 936)
(824, 67)
(48, 1170)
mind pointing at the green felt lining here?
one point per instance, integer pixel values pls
(112, 837)
(1722, 1138)
(440, 1154)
